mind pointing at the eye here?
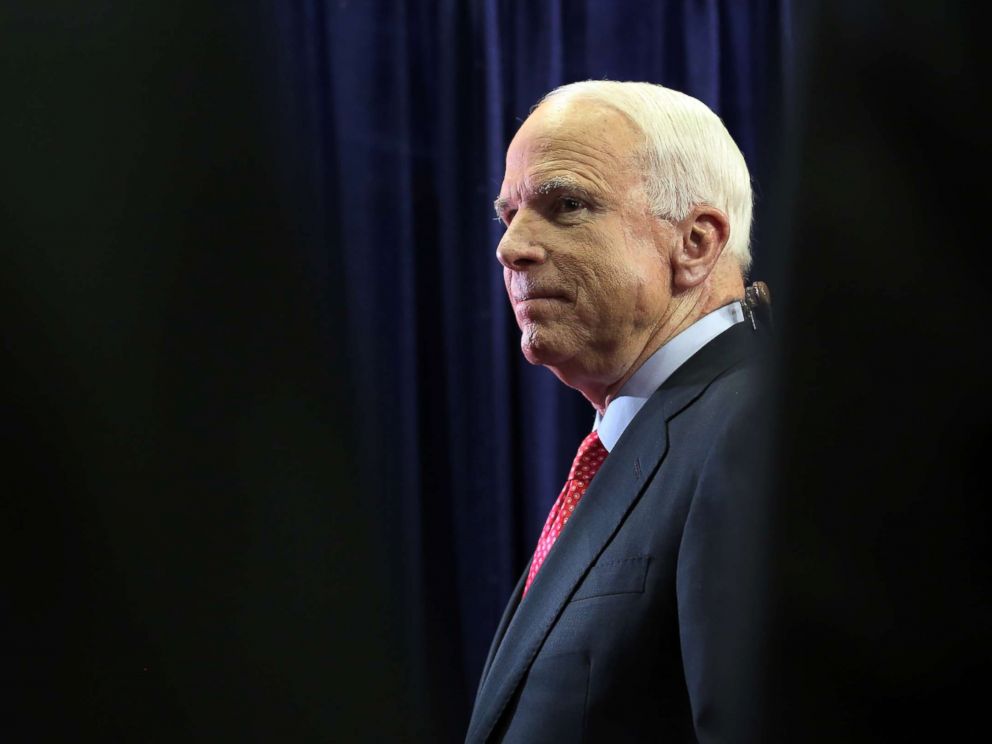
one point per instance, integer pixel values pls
(507, 216)
(569, 204)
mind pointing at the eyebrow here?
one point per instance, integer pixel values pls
(543, 188)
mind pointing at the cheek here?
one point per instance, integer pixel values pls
(620, 266)
(646, 249)
(648, 288)
(651, 302)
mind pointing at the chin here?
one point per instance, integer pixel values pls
(538, 349)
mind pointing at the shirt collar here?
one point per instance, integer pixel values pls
(658, 368)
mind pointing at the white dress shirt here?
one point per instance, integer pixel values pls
(658, 368)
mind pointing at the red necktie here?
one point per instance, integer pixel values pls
(587, 461)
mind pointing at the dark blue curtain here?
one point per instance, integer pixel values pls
(401, 112)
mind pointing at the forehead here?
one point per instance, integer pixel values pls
(577, 139)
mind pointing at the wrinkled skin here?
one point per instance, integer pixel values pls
(593, 277)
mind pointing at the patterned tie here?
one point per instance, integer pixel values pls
(587, 461)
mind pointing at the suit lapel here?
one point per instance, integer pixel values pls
(600, 513)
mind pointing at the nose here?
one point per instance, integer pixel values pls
(518, 250)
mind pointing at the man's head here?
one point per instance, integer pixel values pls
(628, 211)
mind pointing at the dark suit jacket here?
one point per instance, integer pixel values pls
(632, 629)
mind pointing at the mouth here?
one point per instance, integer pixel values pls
(539, 306)
(532, 295)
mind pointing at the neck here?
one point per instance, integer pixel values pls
(682, 312)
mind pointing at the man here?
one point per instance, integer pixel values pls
(627, 209)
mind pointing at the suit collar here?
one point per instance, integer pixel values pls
(653, 373)
(610, 496)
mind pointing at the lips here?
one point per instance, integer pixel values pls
(532, 297)
(538, 293)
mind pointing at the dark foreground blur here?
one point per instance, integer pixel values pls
(880, 549)
(187, 553)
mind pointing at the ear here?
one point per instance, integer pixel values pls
(704, 233)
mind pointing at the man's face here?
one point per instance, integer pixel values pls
(585, 263)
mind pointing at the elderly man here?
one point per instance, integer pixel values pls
(627, 209)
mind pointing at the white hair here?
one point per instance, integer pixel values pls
(691, 157)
